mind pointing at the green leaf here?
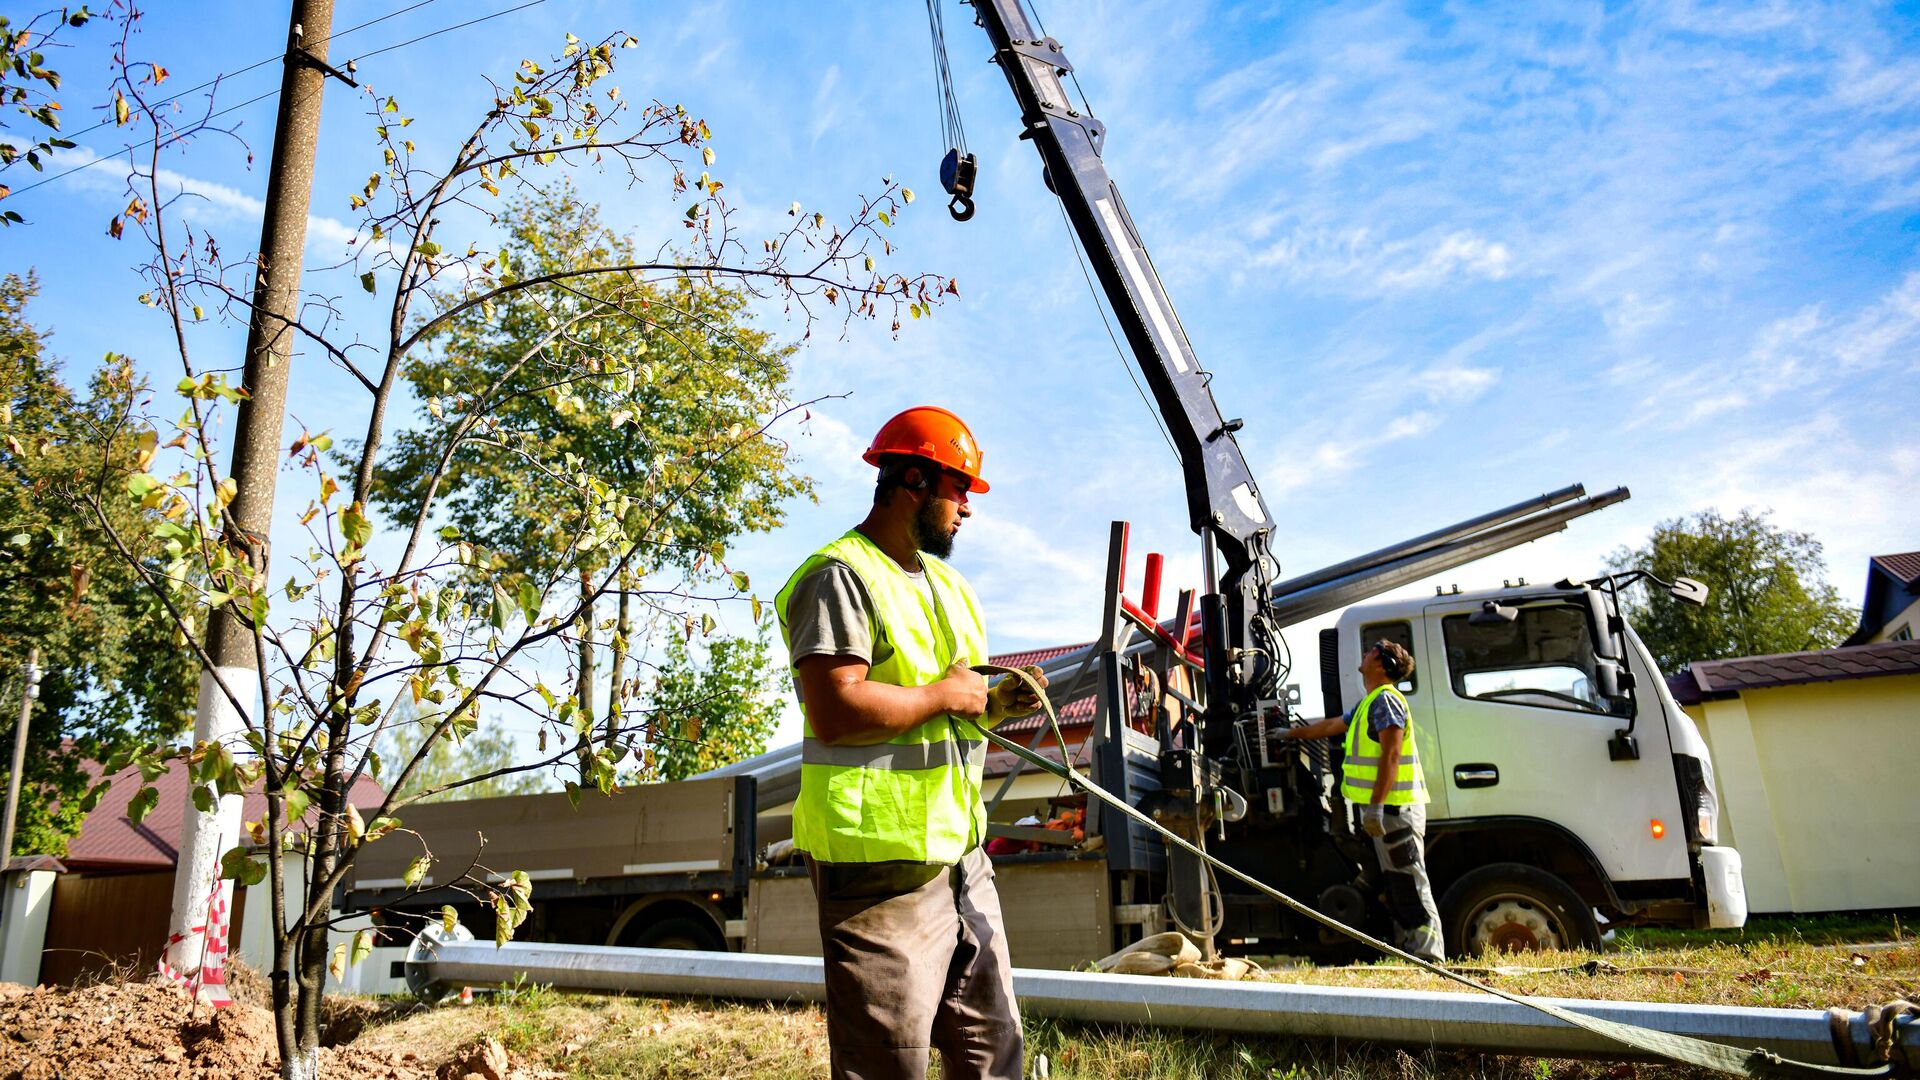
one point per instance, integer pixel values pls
(449, 918)
(241, 867)
(429, 248)
(142, 803)
(355, 526)
(296, 803)
(707, 624)
(416, 870)
(739, 580)
(362, 947)
(573, 794)
(366, 281)
(92, 798)
(203, 799)
(502, 921)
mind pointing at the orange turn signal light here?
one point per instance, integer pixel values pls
(1659, 828)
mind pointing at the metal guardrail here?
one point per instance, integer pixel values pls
(1397, 1017)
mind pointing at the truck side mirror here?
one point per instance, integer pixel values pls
(1606, 679)
(1492, 613)
(1688, 591)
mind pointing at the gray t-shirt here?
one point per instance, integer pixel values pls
(830, 613)
(1388, 710)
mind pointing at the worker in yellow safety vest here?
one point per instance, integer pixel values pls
(881, 632)
(1381, 779)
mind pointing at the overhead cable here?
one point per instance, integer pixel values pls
(275, 92)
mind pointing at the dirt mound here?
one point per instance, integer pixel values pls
(121, 1029)
(113, 1030)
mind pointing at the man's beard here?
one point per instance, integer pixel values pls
(928, 536)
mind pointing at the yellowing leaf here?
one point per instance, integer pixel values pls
(706, 155)
(355, 526)
(224, 491)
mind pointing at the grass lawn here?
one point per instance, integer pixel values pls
(1803, 963)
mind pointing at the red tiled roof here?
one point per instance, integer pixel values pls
(108, 841)
(1905, 566)
(1035, 656)
(1078, 712)
(1716, 678)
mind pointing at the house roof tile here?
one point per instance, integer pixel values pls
(1716, 678)
(109, 841)
(1904, 566)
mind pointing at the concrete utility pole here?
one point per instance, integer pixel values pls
(256, 462)
(29, 689)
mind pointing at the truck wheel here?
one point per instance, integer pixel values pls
(680, 932)
(1509, 907)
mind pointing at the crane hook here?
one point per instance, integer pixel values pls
(957, 172)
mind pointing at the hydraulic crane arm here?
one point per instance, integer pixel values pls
(1222, 499)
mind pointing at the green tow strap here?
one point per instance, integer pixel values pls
(1681, 1048)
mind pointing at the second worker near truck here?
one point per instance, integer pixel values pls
(1381, 779)
(881, 632)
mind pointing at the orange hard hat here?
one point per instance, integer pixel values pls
(931, 432)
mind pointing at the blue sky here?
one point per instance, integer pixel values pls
(1440, 257)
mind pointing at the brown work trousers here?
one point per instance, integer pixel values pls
(916, 960)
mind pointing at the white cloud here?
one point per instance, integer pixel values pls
(1459, 254)
(1457, 384)
(826, 103)
(197, 201)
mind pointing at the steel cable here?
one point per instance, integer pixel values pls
(1681, 1048)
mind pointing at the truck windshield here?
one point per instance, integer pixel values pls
(1544, 658)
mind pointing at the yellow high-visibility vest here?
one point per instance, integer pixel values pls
(1362, 764)
(915, 798)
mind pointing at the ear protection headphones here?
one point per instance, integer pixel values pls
(1389, 663)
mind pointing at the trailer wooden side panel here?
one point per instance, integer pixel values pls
(782, 919)
(650, 829)
(1058, 914)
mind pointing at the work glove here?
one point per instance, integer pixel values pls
(1373, 818)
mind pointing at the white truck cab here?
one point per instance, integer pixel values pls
(1567, 786)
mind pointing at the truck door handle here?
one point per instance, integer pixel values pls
(1478, 774)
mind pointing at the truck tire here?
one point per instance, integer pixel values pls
(1510, 907)
(680, 932)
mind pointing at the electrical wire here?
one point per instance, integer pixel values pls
(224, 76)
(275, 92)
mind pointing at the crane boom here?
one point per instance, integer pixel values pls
(1223, 501)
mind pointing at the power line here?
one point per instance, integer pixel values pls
(449, 29)
(170, 140)
(264, 62)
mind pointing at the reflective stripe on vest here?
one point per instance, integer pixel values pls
(915, 798)
(1361, 765)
